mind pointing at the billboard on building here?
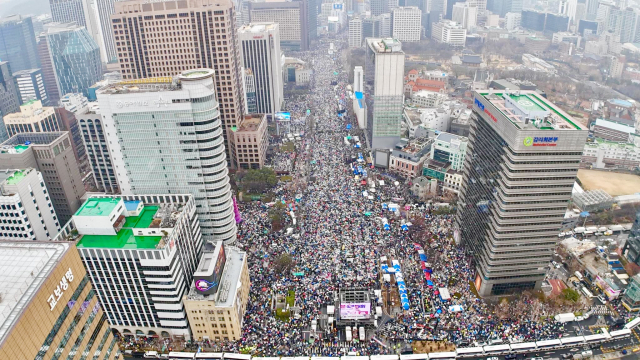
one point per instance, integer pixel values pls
(207, 280)
(355, 310)
(283, 116)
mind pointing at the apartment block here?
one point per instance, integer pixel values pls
(178, 38)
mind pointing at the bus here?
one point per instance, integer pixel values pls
(586, 292)
(523, 347)
(442, 355)
(414, 357)
(496, 349)
(633, 323)
(236, 356)
(470, 351)
(620, 334)
(177, 355)
(208, 356)
(547, 344)
(572, 340)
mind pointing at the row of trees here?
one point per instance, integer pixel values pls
(256, 181)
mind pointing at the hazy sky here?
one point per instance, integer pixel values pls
(24, 7)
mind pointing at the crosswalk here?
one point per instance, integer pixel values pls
(601, 310)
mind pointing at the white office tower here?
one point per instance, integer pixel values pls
(165, 137)
(27, 212)
(358, 79)
(449, 32)
(83, 13)
(465, 15)
(512, 20)
(140, 253)
(105, 9)
(260, 44)
(385, 25)
(384, 74)
(355, 32)
(407, 24)
(31, 86)
(568, 8)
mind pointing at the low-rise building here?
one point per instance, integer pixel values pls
(408, 156)
(249, 142)
(423, 187)
(217, 299)
(450, 148)
(427, 99)
(27, 212)
(296, 72)
(49, 308)
(592, 200)
(604, 154)
(535, 63)
(612, 131)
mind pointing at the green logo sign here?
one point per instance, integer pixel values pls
(528, 141)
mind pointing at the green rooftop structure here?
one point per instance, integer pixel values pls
(124, 239)
(16, 177)
(97, 207)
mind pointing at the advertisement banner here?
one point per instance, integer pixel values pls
(355, 310)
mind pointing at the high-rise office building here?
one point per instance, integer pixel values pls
(169, 52)
(69, 122)
(384, 73)
(450, 5)
(31, 86)
(379, 7)
(292, 18)
(512, 20)
(355, 32)
(533, 20)
(592, 9)
(9, 99)
(260, 44)
(407, 24)
(556, 23)
(75, 58)
(183, 148)
(83, 14)
(249, 85)
(568, 8)
(105, 9)
(48, 73)
(50, 153)
(33, 117)
(97, 149)
(140, 253)
(465, 15)
(622, 22)
(18, 43)
(520, 167)
(371, 28)
(46, 294)
(27, 212)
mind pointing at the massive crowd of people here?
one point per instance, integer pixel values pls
(338, 240)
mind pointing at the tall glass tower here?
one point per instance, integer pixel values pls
(75, 58)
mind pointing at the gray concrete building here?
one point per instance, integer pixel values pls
(50, 153)
(520, 167)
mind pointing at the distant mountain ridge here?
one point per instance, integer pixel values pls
(24, 7)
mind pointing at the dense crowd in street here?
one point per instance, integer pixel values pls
(337, 243)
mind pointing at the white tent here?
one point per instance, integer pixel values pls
(444, 293)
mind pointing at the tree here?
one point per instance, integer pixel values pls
(570, 294)
(283, 264)
(257, 180)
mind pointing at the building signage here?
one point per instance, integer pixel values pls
(60, 289)
(480, 105)
(157, 103)
(540, 141)
(258, 36)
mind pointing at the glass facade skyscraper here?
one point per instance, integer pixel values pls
(75, 58)
(522, 160)
(18, 43)
(9, 100)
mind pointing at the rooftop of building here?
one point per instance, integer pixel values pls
(528, 100)
(412, 146)
(615, 126)
(125, 239)
(98, 207)
(24, 267)
(620, 102)
(25, 72)
(257, 27)
(13, 177)
(250, 122)
(448, 137)
(32, 109)
(229, 282)
(385, 46)
(21, 142)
